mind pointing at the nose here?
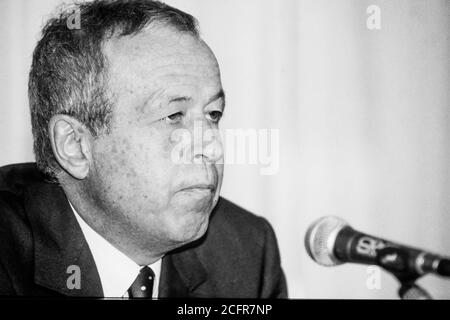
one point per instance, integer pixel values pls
(207, 143)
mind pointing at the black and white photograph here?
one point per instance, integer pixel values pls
(225, 149)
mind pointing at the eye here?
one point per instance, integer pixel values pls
(174, 118)
(215, 115)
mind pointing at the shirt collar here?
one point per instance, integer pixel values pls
(116, 270)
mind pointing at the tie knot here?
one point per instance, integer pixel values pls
(142, 287)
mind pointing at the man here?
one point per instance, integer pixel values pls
(116, 211)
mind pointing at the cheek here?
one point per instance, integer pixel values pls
(135, 167)
(151, 165)
(152, 160)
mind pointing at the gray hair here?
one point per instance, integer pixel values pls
(69, 71)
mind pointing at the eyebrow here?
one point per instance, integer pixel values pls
(217, 96)
(180, 99)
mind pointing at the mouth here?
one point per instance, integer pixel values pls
(202, 187)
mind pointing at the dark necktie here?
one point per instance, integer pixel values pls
(142, 287)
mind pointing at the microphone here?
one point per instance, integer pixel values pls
(330, 241)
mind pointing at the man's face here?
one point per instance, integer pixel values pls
(163, 82)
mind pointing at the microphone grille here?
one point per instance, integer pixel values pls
(320, 238)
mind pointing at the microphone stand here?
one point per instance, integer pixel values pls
(396, 261)
(411, 291)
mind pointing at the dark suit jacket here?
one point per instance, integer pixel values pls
(40, 238)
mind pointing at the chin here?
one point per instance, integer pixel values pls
(190, 229)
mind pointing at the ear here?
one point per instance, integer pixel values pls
(71, 144)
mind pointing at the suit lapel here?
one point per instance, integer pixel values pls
(61, 251)
(182, 272)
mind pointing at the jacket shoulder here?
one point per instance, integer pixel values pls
(241, 254)
(14, 178)
(238, 224)
(16, 243)
(14, 226)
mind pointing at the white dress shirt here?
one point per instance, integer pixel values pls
(116, 270)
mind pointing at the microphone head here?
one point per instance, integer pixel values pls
(321, 237)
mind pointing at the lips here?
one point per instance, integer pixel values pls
(199, 187)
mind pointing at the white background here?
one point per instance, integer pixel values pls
(363, 118)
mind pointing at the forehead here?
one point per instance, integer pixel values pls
(159, 58)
